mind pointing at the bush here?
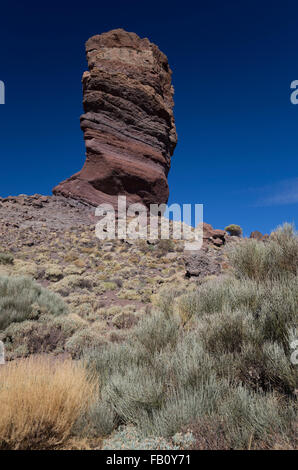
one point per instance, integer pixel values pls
(41, 401)
(155, 332)
(271, 260)
(227, 333)
(162, 390)
(100, 419)
(239, 322)
(253, 417)
(222, 365)
(134, 394)
(267, 367)
(22, 299)
(165, 301)
(6, 258)
(183, 405)
(234, 230)
(83, 339)
(48, 335)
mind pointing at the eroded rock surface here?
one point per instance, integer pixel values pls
(202, 263)
(128, 124)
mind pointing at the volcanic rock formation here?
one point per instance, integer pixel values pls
(128, 124)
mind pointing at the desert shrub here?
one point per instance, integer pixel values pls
(212, 359)
(273, 304)
(32, 337)
(22, 299)
(52, 272)
(125, 320)
(278, 311)
(163, 391)
(155, 332)
(115, 357)
(189, 364)
(274, 259)
(188, 306)
(220, 294)
(98, 420)
(134, 394)
(234, 229)
(267, 367)
(41, 400)
(227, 332)
(109, 285)
(244, 420)
(82, 340)
(166, 299)
(183, 405)
(160, 385)
(244, 321)
(73, 283)
(253, 417)
(287, 239)
(6, 258)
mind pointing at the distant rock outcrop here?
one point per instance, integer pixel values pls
(128, 124)
(256, 235)
(216, 237)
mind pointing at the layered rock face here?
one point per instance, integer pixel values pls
(128, 124)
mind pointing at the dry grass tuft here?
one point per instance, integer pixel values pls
(41, 399)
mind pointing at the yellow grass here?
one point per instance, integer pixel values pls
(40, 401)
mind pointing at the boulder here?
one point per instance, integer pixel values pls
(213, 236)
(201, 263)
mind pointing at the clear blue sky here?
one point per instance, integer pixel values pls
(232, 63)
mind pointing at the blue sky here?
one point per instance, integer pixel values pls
(232, 64)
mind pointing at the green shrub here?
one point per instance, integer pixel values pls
(189, 364)
(266, 367)
(272, 260)
(233, 229)
(155, 332)
(227, 332)
(22, 299)
(252, 416)
(183, 405)
(164, 389)
(222, 365)
(83, 339)
(134, 394)
(166, 299)
(100, 420)
(225, 293)
(115, 357)
(6, 258)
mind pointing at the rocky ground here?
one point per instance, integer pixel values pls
(106, 285)
(155, 323)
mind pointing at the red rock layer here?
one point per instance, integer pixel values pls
(128, 124)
